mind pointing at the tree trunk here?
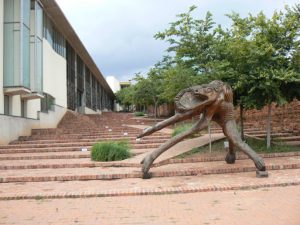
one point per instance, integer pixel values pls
(155, 110)
(242, 122)
(209, 135)
(269, 121)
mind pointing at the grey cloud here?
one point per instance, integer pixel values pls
(119, 34)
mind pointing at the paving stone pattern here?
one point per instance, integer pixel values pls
(40, 175)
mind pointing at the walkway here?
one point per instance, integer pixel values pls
(48, 178)
(266, 206)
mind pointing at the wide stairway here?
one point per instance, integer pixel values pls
(55, 163)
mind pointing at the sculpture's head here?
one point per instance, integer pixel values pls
(200, 96)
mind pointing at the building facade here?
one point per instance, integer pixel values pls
(116, 86)
(44, 67)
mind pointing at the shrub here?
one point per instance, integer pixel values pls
(139, 114)
(110, 151)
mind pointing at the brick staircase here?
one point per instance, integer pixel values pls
(285, 123)
(52, 163)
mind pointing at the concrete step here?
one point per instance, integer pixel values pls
(67, 149)
(80, 136)
(45, 155)
(75, 144)
(274, 135)
(84, 160)
(138, 187)
(103, 173)
(57, 155)
(290, 143)
(289, 138)
(132, 138)
(59, 163)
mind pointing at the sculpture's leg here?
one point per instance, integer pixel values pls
(230, 130)
(230, 157)
(176, 118)
(149, 159)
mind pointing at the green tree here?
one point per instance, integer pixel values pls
(271, 73)
(148, 90)
(190, 41)
(175, 79)
(126, 97)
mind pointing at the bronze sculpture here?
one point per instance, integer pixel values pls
(214, 101)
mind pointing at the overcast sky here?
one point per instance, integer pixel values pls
(118, 34)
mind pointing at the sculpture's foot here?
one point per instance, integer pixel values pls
(260, 164)
(147, 162)
(147, 175)
(230, 158)
(261, 174)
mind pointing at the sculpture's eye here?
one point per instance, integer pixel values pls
(209, 89)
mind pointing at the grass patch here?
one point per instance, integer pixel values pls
(139, 114)
(110, 151)
(258, 146)
(182, 128)
(261, 147)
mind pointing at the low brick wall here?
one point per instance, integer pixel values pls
(164, 110)
(284, 118)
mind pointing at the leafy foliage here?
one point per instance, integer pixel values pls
(126, 96)
(258, 56)
(110, 151)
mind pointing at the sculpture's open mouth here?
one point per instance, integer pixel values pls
(201, 98)
(190, 100)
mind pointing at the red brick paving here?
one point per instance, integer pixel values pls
(269, 206)
(208, 199)
(137, 186)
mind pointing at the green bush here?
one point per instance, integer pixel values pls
(139, 114)
(110, 151)
(181, 128)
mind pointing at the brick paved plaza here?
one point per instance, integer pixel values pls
(267, 206)
(46, 179)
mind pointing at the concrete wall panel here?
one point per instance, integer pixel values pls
(13, 127)
(54, 74)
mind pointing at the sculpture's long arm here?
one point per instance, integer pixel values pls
(149, 159)
(176, 118)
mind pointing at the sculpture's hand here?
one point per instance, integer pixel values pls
(147, 162)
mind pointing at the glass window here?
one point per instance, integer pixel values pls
(6, 105)
(9, 10)
(39, 66)
(26, 57)
(9, 55)
(23, 108)
(36, 53)
(47, 102)
(16, 43)
(54, 37)
(26, 12)
(39, 20)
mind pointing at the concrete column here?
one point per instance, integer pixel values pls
(1, 57)
(15, 105)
